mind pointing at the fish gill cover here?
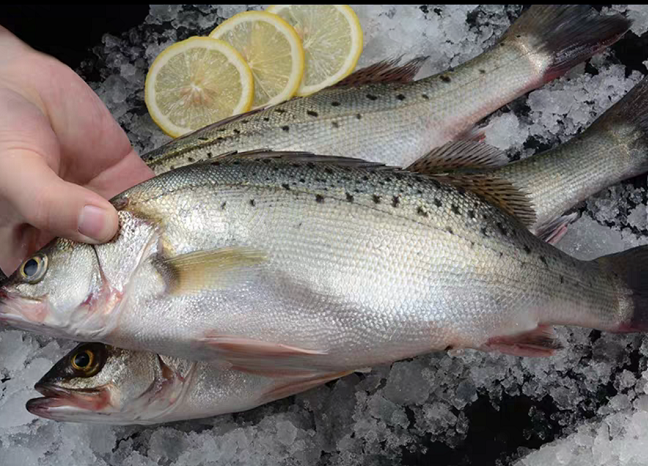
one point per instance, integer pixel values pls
(586, 405)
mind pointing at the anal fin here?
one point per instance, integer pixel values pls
(540, 342)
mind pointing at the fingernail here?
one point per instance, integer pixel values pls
(92, 223)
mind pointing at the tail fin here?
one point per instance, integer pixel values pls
(570, 34)
(631, 267)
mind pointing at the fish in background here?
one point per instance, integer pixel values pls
(285, 264)
(378, 115)
(95, 383)
(612, 149)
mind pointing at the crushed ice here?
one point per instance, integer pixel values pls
(586, 406)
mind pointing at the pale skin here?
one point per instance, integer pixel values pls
(62, 156)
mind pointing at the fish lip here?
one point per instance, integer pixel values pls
(86, 399)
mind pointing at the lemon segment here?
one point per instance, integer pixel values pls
(272, 50)
(197, 82)
(332, 39)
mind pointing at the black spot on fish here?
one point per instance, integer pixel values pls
(455, 209)
(527, 249)
(502, 229)
(285, 128)
(266, 119)
(280, 110)
(544, 260)
(482, 71)
(438, 203)
(461, 191)
(294, 165)
(223, 205)
(419, 191)
(358, 116)
(484, 232)
(400, 97)
(209, 155)
(252, 203)
(236, 162)
(190, 159)
(365, 178)
(310, 165)
(371, 97)
(328, 170)
(319, 198)
(203, 138)
(472, 244)
(302, 180)
(425, 96)
(312, 113)
(236, 131)
(376, 199)
(219, 139)
(286, 186)
(450, 231)
(349, 197)
(562, 279)
(172, 167)
(395, 201)
(471, 214)
(266, 160)
(445, 79)
(421, 211)
(335, 104)
(335, 124)
(435, 183)
(245, 121)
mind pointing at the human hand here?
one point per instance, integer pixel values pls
(62, 155)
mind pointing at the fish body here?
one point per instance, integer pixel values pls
(284, 263)
(612, 149)
(101, 384)
(395, 123)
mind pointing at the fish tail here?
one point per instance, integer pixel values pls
(630, 269)
(569, 34)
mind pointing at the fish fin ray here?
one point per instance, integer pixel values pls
(383, 72)
(553, 230)
(241, 347)
(215, 268)
(299, 385)
(496, 191)
(459, 154)
(539, 342)
(570, 33)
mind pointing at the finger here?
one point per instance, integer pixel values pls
(128, 172)
(50, 204)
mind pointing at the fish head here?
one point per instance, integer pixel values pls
(52, 291)
(98, 383)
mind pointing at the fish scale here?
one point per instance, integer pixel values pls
(285, 263)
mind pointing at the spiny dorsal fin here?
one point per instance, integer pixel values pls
(201, 270)
(459, 154)
(383, 72)
(299, 156)
(498, 192)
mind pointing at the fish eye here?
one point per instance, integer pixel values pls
(33, 270)
(87, 360)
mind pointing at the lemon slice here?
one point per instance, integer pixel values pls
(272, 50)
(332, 40)
(197, 82)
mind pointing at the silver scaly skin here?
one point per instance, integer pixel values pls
(396, 124)
(291, 263)
(101, 384)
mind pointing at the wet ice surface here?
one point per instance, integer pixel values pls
(588, 405)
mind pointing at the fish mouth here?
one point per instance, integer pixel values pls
(58, 403)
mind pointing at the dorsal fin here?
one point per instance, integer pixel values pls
(383, 72)
(495, 191)
(459, 154)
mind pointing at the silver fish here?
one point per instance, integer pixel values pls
(386, 121)
(287, 263)
(95, 383)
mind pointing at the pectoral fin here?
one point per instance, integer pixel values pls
(540, 342)
(299, 385)
(217, 268)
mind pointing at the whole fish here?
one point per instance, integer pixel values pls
(95, 383)
(612, 149)
(292, 263)
(374, 116)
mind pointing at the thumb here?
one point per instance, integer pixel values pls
(45, 201)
